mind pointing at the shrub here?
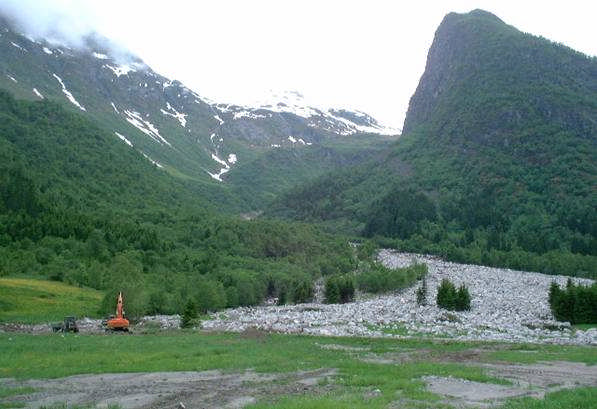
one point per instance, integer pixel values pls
(332, 291)
(209, 295)
(379, 279)
(302, 291)
(282, 296)
(339, 289)
(450, 298)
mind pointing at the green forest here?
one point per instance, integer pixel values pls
(78, 206)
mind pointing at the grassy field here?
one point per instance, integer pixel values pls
(391, 368)
(35, 301)
(53, 356)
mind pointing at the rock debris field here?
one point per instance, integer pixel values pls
(506, 305)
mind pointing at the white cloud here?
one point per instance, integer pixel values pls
(356, 54)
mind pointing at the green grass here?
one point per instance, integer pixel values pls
(584, 327)
(35, 301)
(53, 356)
(9, 405)
(532, 353)
(8, 392)
(581, 398)
(11, 393)
(64, 405)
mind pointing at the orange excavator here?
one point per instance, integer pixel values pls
(118, 323)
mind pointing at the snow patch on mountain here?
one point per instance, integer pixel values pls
(155, 162)
(135, 119)
(12, 78)
(124, 139)
(37, 93)
(19, 47)
(100, 56)
(250, 115)
(120, 69)
(217, 117)
(115, 109)
(47, 51)
(317, 115)
(175, 114)
(68, 94)
(232, 159)
(220, 161)
(292, 139)
(352, 127)
(218, 176)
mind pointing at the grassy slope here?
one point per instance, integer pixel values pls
(51, 357)
(31, 301)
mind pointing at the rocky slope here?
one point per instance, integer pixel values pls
(507, 305)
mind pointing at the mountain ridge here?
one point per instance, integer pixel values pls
(497, 161)
(169, 124)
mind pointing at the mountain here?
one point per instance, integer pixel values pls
(169, 124)
(112, 177)
(77, 205)
(497, 163)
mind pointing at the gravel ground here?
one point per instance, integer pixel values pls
(507, 305)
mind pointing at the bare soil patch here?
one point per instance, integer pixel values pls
(527, 380)
(161, 390)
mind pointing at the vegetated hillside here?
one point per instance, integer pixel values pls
(185, 134)
(498, 160)
(79, 206)
(259, 182)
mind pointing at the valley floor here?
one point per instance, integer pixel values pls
(254, 369)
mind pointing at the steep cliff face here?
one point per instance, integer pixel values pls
(483, 77)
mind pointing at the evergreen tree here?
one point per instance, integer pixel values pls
(189, 314)
(446, 294)
(422, 293)
(450, 298)
(463, 299)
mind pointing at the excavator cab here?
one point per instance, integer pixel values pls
(119, 322)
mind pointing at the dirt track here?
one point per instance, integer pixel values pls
(527, 380)
(208, 389)
(216, 389)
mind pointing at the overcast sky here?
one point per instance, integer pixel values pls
(366, 55)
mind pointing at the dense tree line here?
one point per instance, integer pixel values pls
(576, 303)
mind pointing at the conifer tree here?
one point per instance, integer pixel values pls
(189, 314)
(422, 293)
